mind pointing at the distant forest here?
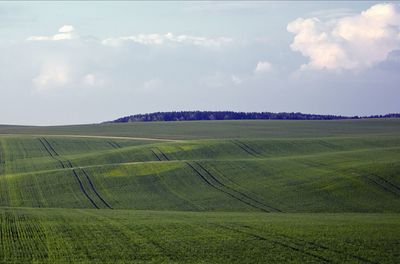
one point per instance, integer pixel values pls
(230, 115)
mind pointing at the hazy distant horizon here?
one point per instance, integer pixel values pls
(82, 63)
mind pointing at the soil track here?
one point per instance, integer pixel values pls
(163, 154)
(236, 191)
(277, 242)
(302, 242)
(84, 190)
(114, 144)
(94, 189)
(53, 155)
(51, 147)
(249, 148)
(384, 184)
(221, 189)
(245, 149)
(155, 154)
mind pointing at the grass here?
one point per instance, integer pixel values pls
(267, 191)
(222, 129)
(104, 236)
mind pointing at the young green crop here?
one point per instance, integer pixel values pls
(266, 192)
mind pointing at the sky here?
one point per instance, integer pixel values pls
(88, 62)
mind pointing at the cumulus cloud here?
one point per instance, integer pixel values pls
(66, 32)
(350, 42)
(168, 38)
(263, 67)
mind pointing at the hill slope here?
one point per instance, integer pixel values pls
(222, 129)
(238, 191)
(296, 175)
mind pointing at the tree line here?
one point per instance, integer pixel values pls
(230, 115)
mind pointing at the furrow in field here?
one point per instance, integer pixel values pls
(394, 186)
(50, 146)
(83, 189)
(159, 154)
(3, 183)
(162, 154)
(69, 164)
(383, 184)
(94, 189)
(221, 189)
(56, 155)
(114, 144)
(45, 147)
(2, 159)
(26, 239)
(242, 147)
(303, 242)
(249, 148)
(237, 191)
(129, 234)
(51, 154)
(163, 250)
(277, 242)
(155, 154)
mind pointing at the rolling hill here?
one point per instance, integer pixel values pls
(211, 191)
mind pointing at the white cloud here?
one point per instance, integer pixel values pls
(66, 32)
(51, 76)
(92, 80)
(66, 29)
(263, 67)
(168, 38)
(236, 80)
(350, 42)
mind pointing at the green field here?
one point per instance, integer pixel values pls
(201, 192)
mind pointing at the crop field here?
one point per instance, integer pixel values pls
(201, 192)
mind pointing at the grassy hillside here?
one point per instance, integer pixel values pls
(105, 236)
(276, 175)
(223, 129)
(270, 191)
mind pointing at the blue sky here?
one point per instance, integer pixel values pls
(86, 62)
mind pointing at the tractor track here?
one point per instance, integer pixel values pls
(302, 242)
(84, 190)
(50, 146)
(114, 144)
(54, 154)
(94, 189)
(248, 147)
(245, 148)
(379, 183)
(387, 182)
(163, 154)
(157, 157)
(224, 191)
(236, 191)
(69, 163)
(51, 154)
(277, 242)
